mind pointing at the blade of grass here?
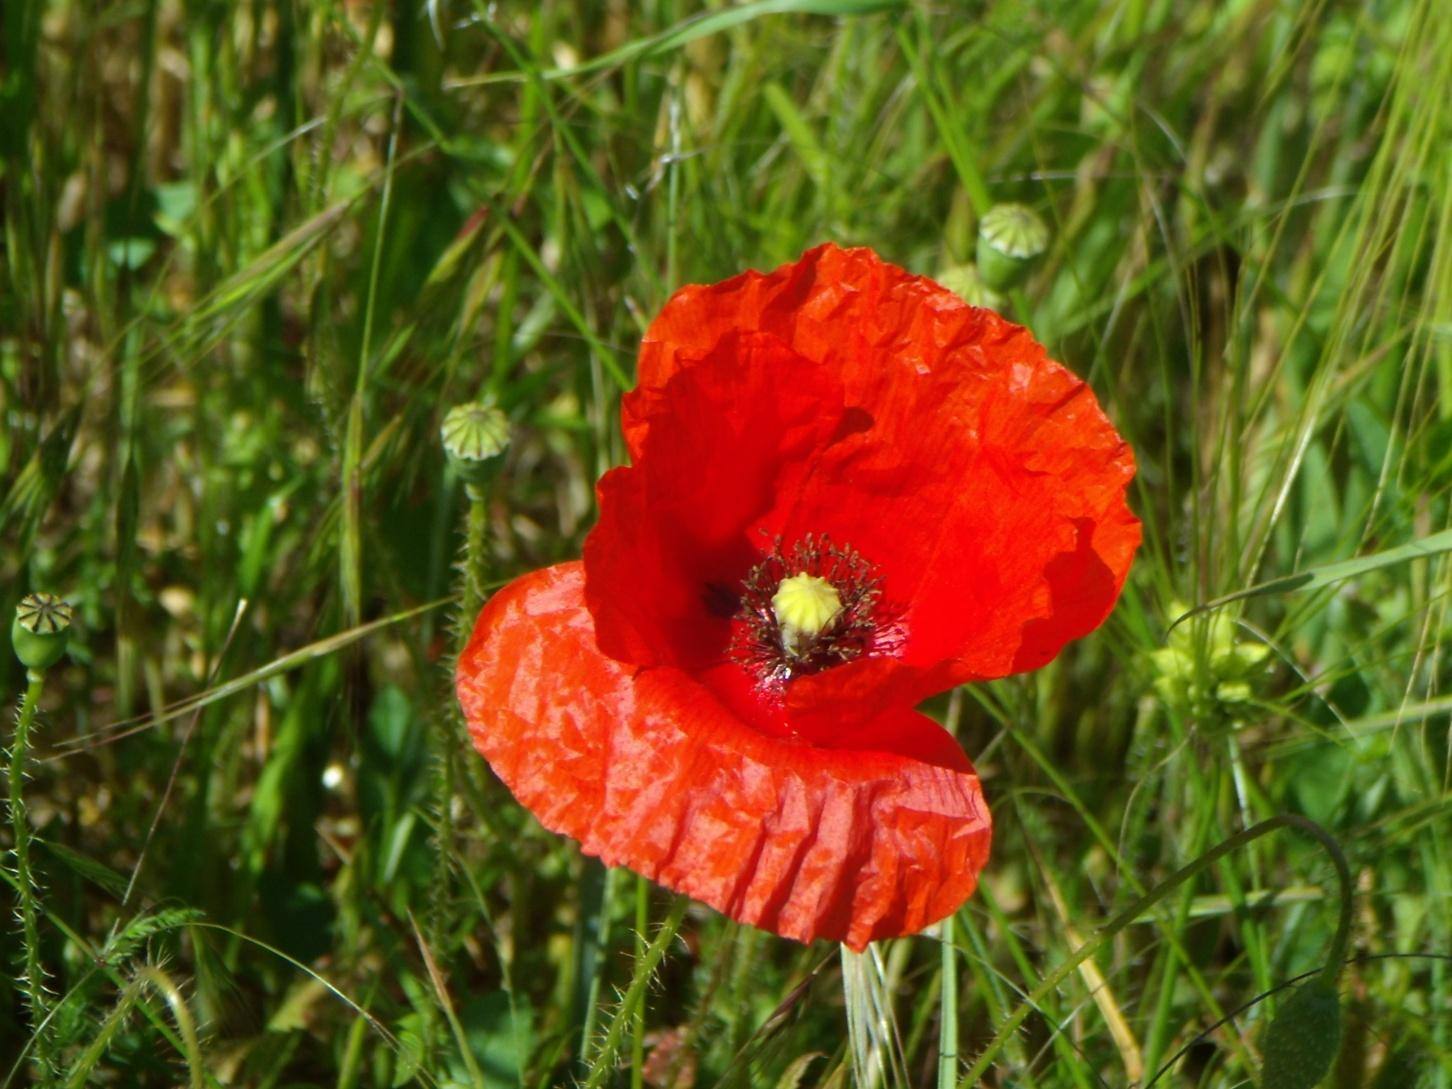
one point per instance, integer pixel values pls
(701, 26)
(292, 660)
(1316, 578)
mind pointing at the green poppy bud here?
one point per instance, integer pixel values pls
(1010, 238)
(964, 281)
(1303, 1039)
(41, 630)
(474, 436)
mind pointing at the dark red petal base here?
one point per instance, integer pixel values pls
(647, 769)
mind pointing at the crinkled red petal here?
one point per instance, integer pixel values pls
(995, 507)
(871, 321)
(979, 475)
(646, 768)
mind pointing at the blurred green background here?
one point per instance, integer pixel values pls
(253, 252)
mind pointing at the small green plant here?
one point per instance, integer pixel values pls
(1204, 671)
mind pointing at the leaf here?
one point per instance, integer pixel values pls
(791, 1078)
(87, 867)
(131, 253)
(499, 1032)
(1303, 1039)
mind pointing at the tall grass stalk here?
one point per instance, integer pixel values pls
(948, 1006)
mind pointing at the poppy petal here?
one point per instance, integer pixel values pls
(736, 433)
(871, 321)
(978, 474)
(646, 768)
(995, 508)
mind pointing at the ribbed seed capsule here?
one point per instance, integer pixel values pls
(41, 630)
(1010, 238)
(474, 436)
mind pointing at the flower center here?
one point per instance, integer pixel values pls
(808, 609)
(804, 604)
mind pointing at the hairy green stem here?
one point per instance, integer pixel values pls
(637, 1033)
(186, 1026)
(476, 565)
(1154, 896)
(602, 1062)
(451, 736)
(25, 884)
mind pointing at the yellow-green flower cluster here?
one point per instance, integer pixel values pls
(1203, 671)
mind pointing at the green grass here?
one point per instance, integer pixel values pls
(252, 254)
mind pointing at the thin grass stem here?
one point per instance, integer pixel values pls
(947, 1007)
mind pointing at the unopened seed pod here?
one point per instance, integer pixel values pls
(41, 630)
(474, 436)
(1011, 237)
(964, 281)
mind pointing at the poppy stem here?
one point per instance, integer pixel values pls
(26, 888)
(602, 1062)
(451, 736)
(476, 565)
(1143, 904)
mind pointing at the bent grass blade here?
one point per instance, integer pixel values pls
(1315, 578)
(293, 660)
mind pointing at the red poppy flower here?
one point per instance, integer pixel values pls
(848, 491)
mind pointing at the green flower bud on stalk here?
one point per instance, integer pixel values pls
(474, 436)
(41, 630)
(1010, 238)
(965, 282)
(39, 634)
